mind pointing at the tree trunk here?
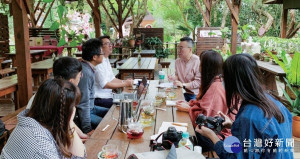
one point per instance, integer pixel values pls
(225, 14)
(270, 18)
(292, 30)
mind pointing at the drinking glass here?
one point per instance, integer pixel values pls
(110, 151)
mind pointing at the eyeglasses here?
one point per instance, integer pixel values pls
(108, 43)
(181, 48)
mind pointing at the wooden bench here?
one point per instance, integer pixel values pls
(7, 72)
(6, 63)
(10, 122)
(9, 85)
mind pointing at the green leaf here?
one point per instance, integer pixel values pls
(61, 42)
(47, 1)
(289, 85)
(60, 11)
(73, 43)
(54, 26)
(295, 70)
(281, 64)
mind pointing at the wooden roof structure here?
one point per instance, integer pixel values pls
(287, 4)
(20, 9)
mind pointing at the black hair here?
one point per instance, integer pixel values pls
(66, 68)
(242, 78)
(104, 37)
(53, 107)
(188, 40)
(210, 66)
(91, 48)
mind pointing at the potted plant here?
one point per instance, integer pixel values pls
(292, 69)
(161, 52)
(295, 106)
(151, 42)
(131, 41)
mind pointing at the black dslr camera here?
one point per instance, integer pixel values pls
(171, 135)
(214, 123)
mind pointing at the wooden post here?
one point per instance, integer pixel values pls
(167, 45)
(234, 23)
(97, 20)
(283, 26)
(175, 50)
(120, 19)
(208, 10)
(22, 52)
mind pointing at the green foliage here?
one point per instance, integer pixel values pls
(292, 69)
(278, 44)
(224, 32)
(295, 104)
(153, 41)
(47, 1)
(162, 53)
(54, 26)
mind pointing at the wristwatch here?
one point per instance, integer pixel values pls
(183, 85)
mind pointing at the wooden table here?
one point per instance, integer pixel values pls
(128, 146)
(9, 85)
(33, 54)
(269, 72)
(41, 70)
(146, 66)
(144, 53)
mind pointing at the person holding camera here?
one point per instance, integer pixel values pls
(260, 116)
(211, 97)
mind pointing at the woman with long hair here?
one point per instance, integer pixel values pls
(262, 125)
(211, 98)
(47, 129)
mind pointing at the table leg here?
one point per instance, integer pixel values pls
(16, 100)
(69, 51)
(270, 82)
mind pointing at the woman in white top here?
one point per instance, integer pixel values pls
(47, 129)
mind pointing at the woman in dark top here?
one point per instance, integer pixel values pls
(260, 118)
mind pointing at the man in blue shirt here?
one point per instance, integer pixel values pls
(89, 114)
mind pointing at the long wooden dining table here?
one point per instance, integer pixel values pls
(129, 146)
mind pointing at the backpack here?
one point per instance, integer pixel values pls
(2, 128)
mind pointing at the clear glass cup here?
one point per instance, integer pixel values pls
(110, 151)
(135, 130)
(147, 116)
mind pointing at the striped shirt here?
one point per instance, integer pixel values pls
(31, 140)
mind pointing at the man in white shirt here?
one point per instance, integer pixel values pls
(105, 79)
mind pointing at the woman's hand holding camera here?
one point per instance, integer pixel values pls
(228, 122)
(204, 131)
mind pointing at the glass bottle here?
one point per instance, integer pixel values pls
(185, 141)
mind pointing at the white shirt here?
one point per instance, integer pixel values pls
(103, 75)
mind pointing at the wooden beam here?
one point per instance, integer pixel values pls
(37, 6)
(22, 52)
(97, 19)
(207, 21)
(112, 7)
(47, 13)
(233, 11)
(42, 10)
(234, 24)
(95, 9)
(207, 4)
(30, 12)
(120, 13)
(283, 26)
(109, 16)
(208, 8)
